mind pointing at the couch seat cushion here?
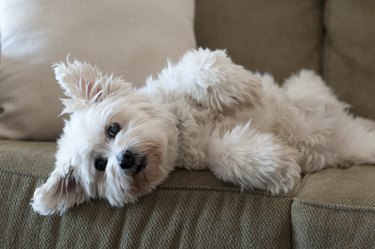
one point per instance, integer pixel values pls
(190, 209)
(336, 209)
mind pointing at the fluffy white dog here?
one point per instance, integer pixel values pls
(205, 112)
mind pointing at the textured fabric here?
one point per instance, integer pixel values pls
(349, 52)
(316, 226)
(129, 38)
(336, 209)
(352, 187)
(192, 209)
(21, 157)
(274, 36)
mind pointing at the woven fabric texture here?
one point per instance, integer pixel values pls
(349, 52)
(324, 226)
(336, 209)
(353, 187)
(279, 37)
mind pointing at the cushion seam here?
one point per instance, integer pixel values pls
(336, 207)
(296, 192)
(238, 191)
(301, 185)
(326, 46)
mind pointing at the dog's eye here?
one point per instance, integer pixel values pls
(100, 163)
(112, 129)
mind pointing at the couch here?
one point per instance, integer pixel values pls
(333, 208)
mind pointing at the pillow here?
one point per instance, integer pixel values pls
(129, 38)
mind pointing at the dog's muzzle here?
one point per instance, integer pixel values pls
(133, 161)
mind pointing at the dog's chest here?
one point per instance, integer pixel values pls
(195, 126)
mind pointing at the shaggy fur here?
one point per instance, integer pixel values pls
(203, 112)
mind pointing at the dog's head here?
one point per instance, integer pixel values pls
(116, 145)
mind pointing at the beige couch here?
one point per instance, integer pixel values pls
(334, 208)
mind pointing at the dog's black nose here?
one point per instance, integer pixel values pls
(100, 163)
(132, 160)
(128, 159)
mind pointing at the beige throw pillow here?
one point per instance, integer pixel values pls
(126, 37)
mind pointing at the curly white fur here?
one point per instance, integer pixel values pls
(203, 112)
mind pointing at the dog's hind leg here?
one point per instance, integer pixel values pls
(308, 85)
(252, 159)
(211, 79)
(354, 141)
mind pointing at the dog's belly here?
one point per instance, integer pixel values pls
(305, 126)
(196, 126)
(199, 126)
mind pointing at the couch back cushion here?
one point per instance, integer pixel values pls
(349, 52)
(335, 38)
(129, 38)
(273, 36)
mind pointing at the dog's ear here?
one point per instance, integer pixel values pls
(59, 193)
(84, 84)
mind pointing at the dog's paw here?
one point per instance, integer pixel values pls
(276, 172)
(276, 175)
(212, 80)
(58, 194)
(284, 176)
(44, 205)
(253, 159)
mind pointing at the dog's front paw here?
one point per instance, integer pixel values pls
(284, 175)
(276, 172)
(58, 194)
(44, 205)
(252, 159)
(212, 80)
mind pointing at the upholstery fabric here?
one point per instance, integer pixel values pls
(128, 38)
(280, 37)
(332, 228)
(349, 52)
(336, 209)
(192, 209)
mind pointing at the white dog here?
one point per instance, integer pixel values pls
(205, 112)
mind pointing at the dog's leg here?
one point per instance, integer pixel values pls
(365, 123)
(308, 85)
(354, 141)
(211, 79)
(252, 159)
(338, 139)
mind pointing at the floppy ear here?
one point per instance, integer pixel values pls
(84, 84)
(58, 194)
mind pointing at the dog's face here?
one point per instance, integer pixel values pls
(117, 145)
